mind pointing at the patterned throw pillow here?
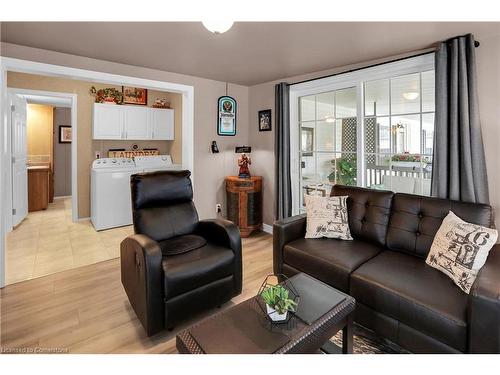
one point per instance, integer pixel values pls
(460, 249)
(327, 217)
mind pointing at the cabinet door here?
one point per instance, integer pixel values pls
(162, 124)
(136, 122)
(107, 121)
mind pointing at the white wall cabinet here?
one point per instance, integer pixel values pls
(158, 119)
(132, 122)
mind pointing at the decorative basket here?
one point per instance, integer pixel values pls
(273, 280)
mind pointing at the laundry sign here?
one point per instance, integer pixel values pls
(132, 153)
(226, 120)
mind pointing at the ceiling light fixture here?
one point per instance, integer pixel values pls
(217, 26)
(329, 119)
(412, 95)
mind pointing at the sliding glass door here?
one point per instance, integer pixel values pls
(372, 128)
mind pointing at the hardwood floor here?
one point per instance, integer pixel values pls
(86, 310)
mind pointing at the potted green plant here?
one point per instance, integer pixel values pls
(345, 172)
(278, 303)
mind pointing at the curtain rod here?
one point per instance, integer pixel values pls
(476, 44)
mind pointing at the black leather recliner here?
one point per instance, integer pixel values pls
(176, 265)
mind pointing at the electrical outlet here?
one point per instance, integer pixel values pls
(218, 208)
(97, 155)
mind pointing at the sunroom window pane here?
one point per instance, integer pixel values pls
(325, 136)
(428, 133)
(307, 108)
(428, 91)
(346, 134)
(377, 135)
(325, 106)
(345, 103)
(405, 94)
(377, 98)
(406, 134)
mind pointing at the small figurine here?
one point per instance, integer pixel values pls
(243, 162)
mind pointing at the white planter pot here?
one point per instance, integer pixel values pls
(275, 317)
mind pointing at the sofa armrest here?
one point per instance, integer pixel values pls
(285, 231)
(484, 307)
(224, 233)
(142, 278)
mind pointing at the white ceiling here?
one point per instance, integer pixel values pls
(249, 53)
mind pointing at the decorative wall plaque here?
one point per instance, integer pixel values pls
(226, 116)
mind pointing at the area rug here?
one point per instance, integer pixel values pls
(367, 342)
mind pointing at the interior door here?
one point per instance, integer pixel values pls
(19, 159)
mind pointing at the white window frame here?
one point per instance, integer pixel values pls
(356, 79)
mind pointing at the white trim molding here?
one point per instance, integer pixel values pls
(25, 66)
(267, 228)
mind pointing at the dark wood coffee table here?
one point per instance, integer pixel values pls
(244, 329)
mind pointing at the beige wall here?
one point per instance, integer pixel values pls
(488, 74)
(209, 169)
(62, 154)
(39, 123)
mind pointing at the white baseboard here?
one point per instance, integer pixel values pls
(62, 197)
(267, 228)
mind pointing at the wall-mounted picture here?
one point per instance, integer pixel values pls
(64, 134)
(307, 141)
(134, 95)
(265, 120)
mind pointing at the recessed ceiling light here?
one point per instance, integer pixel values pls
(412, 95)
(217, 26)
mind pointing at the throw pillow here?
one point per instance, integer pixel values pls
(460, 249)
(327, 217)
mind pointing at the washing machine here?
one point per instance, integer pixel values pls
(156, 163)
(111, 203)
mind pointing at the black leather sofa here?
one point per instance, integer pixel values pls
(175, 265)
(397, 295)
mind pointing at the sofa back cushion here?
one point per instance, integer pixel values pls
(368, 211)
(415, 221)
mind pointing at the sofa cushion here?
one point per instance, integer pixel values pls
(404, 288)
(191, 270)
(368, 211)
(181, 244)
(329, 260)
(415, 221)
(460, 250)
(327, 217)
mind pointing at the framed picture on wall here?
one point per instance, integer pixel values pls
(265, 120)
(134, 95)
(64, 134)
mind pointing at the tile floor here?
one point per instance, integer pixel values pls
(48, 241)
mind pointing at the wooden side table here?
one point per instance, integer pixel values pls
(244, 203)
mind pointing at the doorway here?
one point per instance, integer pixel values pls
(41, 140)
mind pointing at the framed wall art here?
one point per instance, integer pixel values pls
(134, 95)
(265, 120)
(64, 134)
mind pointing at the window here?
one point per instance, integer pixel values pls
(373, 127)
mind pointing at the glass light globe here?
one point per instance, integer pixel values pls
(217, 26)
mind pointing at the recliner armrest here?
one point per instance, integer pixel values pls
(224, 233)
(142, 278)
(285, 231)
(484, 307)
